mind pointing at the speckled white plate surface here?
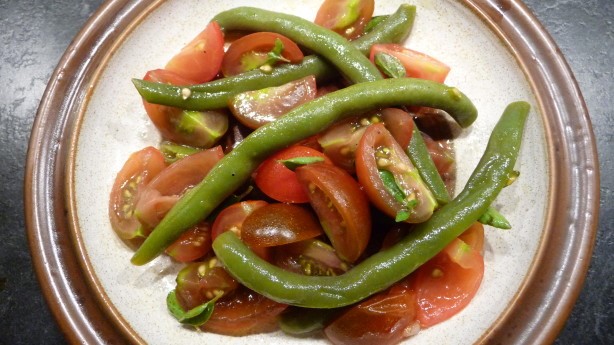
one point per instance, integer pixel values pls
(113, 124)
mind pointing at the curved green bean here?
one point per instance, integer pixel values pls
(389, 266)
(302, 122)
(215, 94)
(350, 61)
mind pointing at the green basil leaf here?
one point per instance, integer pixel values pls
(391, 185)
(194, 317)
(293, 163)
(390, 65)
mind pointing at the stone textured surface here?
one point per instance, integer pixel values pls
(34, 34)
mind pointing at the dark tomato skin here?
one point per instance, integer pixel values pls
(244, 312)
(382, 319)
(279, 224)
(341, 206)
(199, 282)
(231, 219)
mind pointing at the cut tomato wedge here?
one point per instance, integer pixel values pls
(193, 128)
(244, 312)
(279, 224)
(140, 168)
(201, 59)
(164, 191)
(257, 50)
(281, 183)
(417, 65)
(446, 284)
(378, 151)
(382, 319)
(341, 205)
(259, 107)
(192, 244)
(346, 17)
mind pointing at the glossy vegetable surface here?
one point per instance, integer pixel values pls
(300, 123)
(386, 267)
(215, 94)
(334, 48)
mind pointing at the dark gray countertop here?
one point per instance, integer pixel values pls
(35, 33)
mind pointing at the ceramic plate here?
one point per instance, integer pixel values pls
(91, 119)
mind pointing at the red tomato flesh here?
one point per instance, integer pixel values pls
(164, 191)
(281, 183)
(250, 52)
(201, 59)
(192, 244)
(375, 141)
(193, 128)
(346, 17)
(140, 168)
(417, 65)
(446, 284)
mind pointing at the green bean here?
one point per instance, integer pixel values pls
(215, 94)
(347, 58)
(301, 122)
(421, 158)
(384, 268)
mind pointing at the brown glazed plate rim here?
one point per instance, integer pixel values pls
(540, 307)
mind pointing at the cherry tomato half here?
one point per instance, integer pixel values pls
(340, 141)
(342, 207)
(244, 312)
(193, 128)
(417, 65)
(231, 219)
(164, 191)
(259, 107)
(279, 224)
(140, 168)
(192, 244)
(382, 319)
(310, 257)
(281, 183)
(446, 284)
(199, 282)
(346, 17)
(251, 52)
(378, 150)
(201, 59)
